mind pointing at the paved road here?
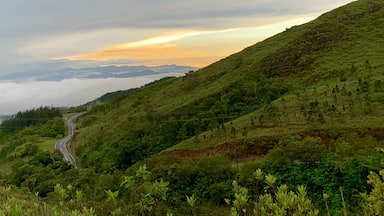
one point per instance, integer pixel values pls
(61, 145)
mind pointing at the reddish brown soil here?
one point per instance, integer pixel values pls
(234, 150)
(241, 150)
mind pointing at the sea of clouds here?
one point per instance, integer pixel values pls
(20, 96)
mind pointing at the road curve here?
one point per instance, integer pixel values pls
(61, 145)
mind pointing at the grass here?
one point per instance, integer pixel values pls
(309, 60)
(47, 144)
(44, 144)
(290, 118)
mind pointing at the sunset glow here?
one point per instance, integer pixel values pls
(158, 50)
(193, 48)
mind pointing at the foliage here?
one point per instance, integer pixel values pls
(375, 200)
(144, 196)
(29, 117)
(30, 140)
(19, 202)
(276, 200)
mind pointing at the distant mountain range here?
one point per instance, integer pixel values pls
(94, 73)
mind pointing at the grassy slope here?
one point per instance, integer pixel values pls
(310, 60)
(359, 42)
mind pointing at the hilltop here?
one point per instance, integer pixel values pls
(305, 105)
(265, 90)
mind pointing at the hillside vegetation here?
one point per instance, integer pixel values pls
(323, 75)
(290, 125)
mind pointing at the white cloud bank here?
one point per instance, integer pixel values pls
(16, 97)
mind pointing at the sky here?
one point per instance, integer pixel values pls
(77, 33)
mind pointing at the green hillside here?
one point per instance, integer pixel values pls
(334, 61)
(304, 107)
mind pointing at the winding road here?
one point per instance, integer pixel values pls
(61, 145)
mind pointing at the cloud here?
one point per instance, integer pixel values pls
(194, 48)
(156, 50)
(44, 29)
(16, 97)
(166, 39)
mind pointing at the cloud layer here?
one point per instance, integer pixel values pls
(42, 29)
(16, 97)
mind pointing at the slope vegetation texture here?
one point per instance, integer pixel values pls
(292, 125)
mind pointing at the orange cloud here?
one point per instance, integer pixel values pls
(135, 53)
(156, 54)
(191, 61)
(156, 51)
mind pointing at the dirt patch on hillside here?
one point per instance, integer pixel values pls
(376, 133)
(242, 150)
(234, 150)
